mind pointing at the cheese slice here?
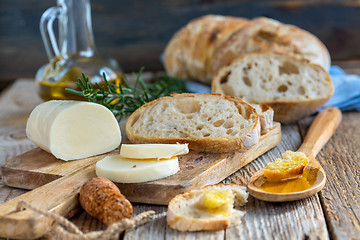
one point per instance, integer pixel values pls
(73, 129)
(125, 170)
(159, 151)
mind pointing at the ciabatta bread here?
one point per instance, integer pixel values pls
(205, 44)
(190, 212)
(293, 87)
(268, 35)
(191, 47)
(208, 122)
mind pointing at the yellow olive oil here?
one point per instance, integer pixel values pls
(58, 75)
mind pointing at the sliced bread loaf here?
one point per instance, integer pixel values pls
(210, 208)
(208, 122)
(293, 87)
(199, 49)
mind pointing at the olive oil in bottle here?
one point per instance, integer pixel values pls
(73, 53)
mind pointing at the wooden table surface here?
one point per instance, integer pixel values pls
(334, 213)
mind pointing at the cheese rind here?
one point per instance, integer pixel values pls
(73, 129)
(125, 170)
(159, 151)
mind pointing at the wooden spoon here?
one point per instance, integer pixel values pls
(319, 133)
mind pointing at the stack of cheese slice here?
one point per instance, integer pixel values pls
(141, 162)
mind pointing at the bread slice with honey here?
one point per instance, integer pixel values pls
(210, 208)
(292, 86)
(207, 122)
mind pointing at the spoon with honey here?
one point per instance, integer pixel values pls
(299, 175)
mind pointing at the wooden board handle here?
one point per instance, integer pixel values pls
(59, 196)
(321, 131)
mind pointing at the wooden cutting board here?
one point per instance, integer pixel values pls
(38, 167)
(57, 183)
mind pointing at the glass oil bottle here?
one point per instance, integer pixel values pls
(73, 53)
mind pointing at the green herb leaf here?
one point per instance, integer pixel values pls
(123, 99)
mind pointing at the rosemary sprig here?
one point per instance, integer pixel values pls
(122, 99)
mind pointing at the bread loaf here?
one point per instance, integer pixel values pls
(293, 87)
(204, 45)
(208, 122)
(188, 51)
(210, 208)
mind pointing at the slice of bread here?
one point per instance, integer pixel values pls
(266, 115)
(208, 122)
(293, 87)
(190, 211)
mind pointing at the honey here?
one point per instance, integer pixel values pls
(217, 201)
(287, 175)
(301, 183)
(290, 167)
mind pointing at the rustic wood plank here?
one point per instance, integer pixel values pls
(303, 219)
(349, 66)
(16, 103)
(155, 229)
(7, 193)
(158, 228)
(87, 223)
(13, 144)
(340, 159)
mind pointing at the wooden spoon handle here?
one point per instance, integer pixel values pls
(321, 131)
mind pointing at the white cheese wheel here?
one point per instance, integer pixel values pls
(125, 170)
(73, 129)
(159, 151)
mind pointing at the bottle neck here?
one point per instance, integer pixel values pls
(75, 30)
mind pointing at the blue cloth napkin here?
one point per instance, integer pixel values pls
(346, 95)
(347, 90)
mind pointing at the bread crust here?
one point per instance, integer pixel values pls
(263, 35)
(203, 31)
(216, 31)
(204, 144)
(285, 111)
(190, 48)
(178, 55)
(292, 111)
(266, 115)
